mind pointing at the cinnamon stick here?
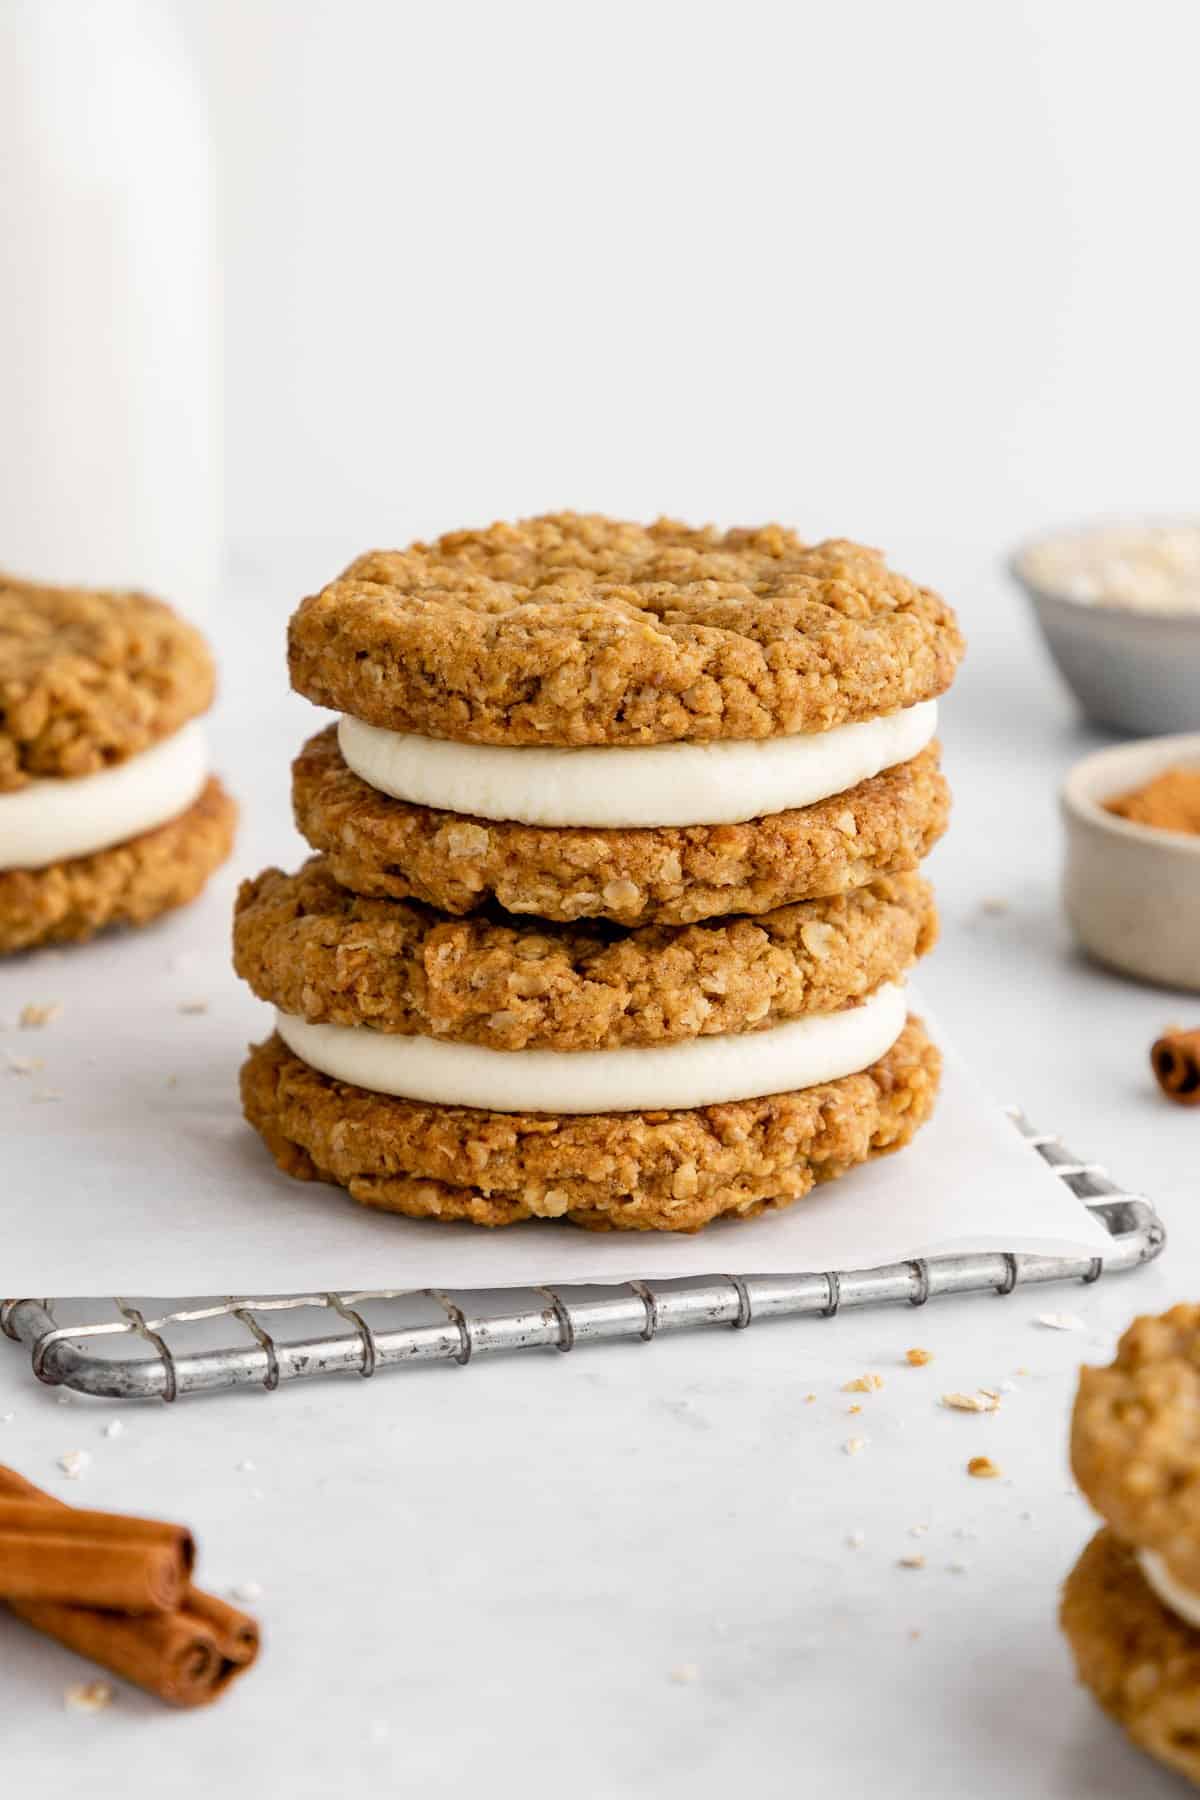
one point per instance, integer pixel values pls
(1175, 1059)
(92, 1558)
(236, 1632)
(171, 1655)
(187, 1656)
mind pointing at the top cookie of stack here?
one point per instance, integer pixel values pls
(583, 718)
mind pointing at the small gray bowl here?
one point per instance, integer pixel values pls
(1135, 672)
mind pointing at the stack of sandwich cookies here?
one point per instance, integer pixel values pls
(108, 813)
(614, 901)
(1131, 1605)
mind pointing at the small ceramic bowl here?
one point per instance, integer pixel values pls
(1132, 892)
(1131, 671)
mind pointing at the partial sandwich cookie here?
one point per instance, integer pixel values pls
(380, 845)
(319, 952)
(583, 718)
(1131, 1608)
(108, 812)
(663, 1169)
(1139, 1658)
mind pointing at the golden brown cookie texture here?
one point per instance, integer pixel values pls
(651, 1171)
(129, 884)
(320, 952)
(1135, 1439)
(89, 678)
(1140, 1661)
(578, 629)
(671, 875)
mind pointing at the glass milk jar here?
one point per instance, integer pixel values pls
(108, 318)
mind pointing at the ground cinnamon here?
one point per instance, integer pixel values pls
(1175, 1059)
(186, 1655)
(1170, 802)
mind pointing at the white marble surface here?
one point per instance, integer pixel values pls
(486, 1579)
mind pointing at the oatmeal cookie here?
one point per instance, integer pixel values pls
(668, 875)
(320, 952)
(1139, 1660)
(88, 679)
(1135, 1439)
(130, 884)
(652, 1171)
(577, 629)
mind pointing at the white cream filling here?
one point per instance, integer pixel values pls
(722, 783)
(1182, 1601)
(51, 820)
(700, 1072)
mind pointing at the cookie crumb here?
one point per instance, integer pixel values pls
(863, 1384)
(88, 1696)
(114, 1428)
(22, 1065)
(918, 1530)
(915, 1561)
(856, 1408)
(958, 1568)
(917, 1358)
(73, 1463)
(1061, 1321)
(685, 1673)
(44, 1096)
(32, 1016)
(809, 1398)
(855, 1540)
(994, 906)
(982, 1401)
(246, 1592)
(983, 1468)
(853, 1446)
(193, 1006)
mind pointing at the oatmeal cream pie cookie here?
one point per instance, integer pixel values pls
(496, 1069)
(580, 718)
(657, 1169)
(1131, 1606)
(108, 813)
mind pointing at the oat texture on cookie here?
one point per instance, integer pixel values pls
(89, 678)
(321, 952)
(671, 875)
(575, 629)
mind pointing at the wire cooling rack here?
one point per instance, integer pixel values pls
(125, 1349)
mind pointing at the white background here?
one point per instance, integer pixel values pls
(922, 274)
(885, 271)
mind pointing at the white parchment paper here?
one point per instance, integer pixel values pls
(126, 1166)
